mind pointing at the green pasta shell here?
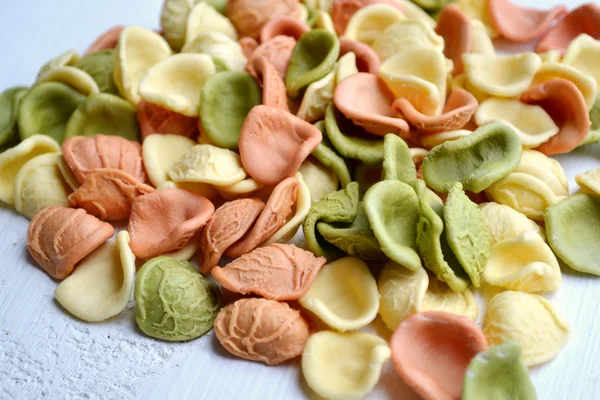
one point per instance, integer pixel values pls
(100, 67)
(46, 109)
(397, 160)
(10, 101)
(313, 57)
(106, 114)
(226, 100)
(477, 161)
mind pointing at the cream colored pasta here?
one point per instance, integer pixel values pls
(241, 189)
(101, 285)
(324, 21)
(205, 163)
(160, 152)
(589, 181)
(409, 32)
(175, 82)
(13, 159)
(531, 122)
(218, 46)
(478, 10)
(137, 50)
(546, 169)
(40, 184)
(403, 293)
(531, 320)
(204, 18)
(186, 252)
(480, 40)
(583, 53)
(345, 67)
(501, 76)
(203, 189)
(551, 56)
(503, 222)
(343, 366)
(412, 11)
(430, 141)
(524, 263)
(418, 74)
(68, 58)
(71, 76)
(316, 98)
(320, 180)
(368, 23)
(67, 174)
(344, 295)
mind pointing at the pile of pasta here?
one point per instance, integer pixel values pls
(413, 161)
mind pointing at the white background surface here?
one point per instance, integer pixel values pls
(44, 353)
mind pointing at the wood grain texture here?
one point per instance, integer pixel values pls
(45, 353)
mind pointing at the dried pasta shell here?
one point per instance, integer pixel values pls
(286, 26)
(10, 102)
(189, 303)
(522, 24)
(100, 66)
(108, 194)
(85, 154)
(480, 41)
(414, 12)
(581, 20)
(345, 66)
(219, 46)
(533, 125)
(525, 263)
(156, 119)
(477, 10)
(173, 20)
(226, 100)
(320, 180)
(366, 58)
(397, 161)
(410, 32)
(340, 206)
(59, 237)
(466, 233)
(300, 211)
(343, 295)
(524, 193)
(530, 320)
(67, 174)
(583, 53)
(273, 144)
(331, 360)
(262, 330)
(174, 83)
(369, 23)
(68, 58)
(584, 82)
(316, 98)
(571, 231)
(12, 160)
(431, 351)
(403, 293)
(275, 272)
(243, 188)
(498, 371)
(73, 77)
(432, 243)
(160, 152)
(249, 17)
(471, 160)
(106, 114)
(393, 211)
(205, 163)
(431, 141)
(203, 18)
(182, 213)
(565, 103)
(501, 76)
(589, 181)
(312, 58)
(46, 109)
(418, 74)
(272, 217)
(365, 100)
(546, 169)
(331, 159)
(106, 41)
(277, 51)
(454, 26)
(273, 88)
(226, 226)
(504, 222)
(40, 184)
(351, 141)
(101, 285)
(138, 49)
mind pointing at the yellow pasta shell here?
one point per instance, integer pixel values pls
(368, 23)
(555, 70)
(531, 320)
(409, 32)
(503, 222)
(203, 18)
(160, 152)
(583, 53)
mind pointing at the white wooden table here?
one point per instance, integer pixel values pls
(44, 353)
